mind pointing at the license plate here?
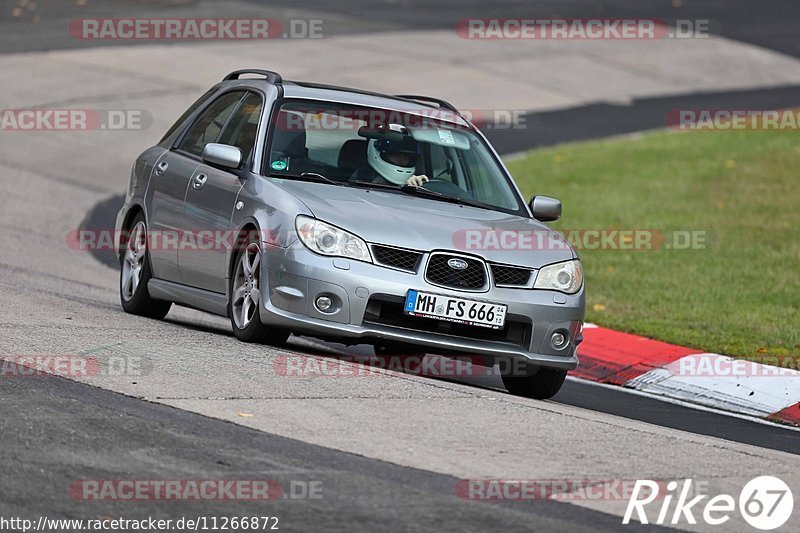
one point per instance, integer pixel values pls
(461, 310)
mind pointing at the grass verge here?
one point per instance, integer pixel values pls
(739, 294)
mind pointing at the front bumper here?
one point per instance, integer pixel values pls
(368, 308)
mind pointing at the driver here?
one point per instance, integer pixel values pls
(394, 161)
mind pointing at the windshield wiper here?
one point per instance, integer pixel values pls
(361, 183)
(427, 193)
(308, 176)
(320, 178)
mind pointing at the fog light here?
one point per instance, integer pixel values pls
(324, 303)
(558, 340)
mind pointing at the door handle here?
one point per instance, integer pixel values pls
(161, 168)
(198, 181)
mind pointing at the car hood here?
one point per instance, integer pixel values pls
(407, 221)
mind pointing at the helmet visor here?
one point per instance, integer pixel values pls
(400, 153)
(401, 159)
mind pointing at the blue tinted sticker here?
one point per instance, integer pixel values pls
(279, 165)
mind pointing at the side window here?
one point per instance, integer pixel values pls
(306, 138)
(288, 151)
(209, 124)
(200, 101)
(242, 128)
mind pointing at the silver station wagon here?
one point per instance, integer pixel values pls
(294, 207)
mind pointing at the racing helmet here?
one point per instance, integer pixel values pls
(394, 160)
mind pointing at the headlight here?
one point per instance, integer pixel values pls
(329, 240)
(565, 277)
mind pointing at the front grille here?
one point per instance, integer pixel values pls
(387, 310)
(396, 258)
(439, 272)
(507, 276)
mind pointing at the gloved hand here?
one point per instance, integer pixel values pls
(417, 181)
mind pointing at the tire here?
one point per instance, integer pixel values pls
(134, 273)
(539, 384)
(244, 305)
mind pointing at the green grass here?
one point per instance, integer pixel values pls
(741, 294)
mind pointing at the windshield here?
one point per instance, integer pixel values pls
(366, 147)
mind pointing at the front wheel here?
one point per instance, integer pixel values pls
(135, 273)
(539, 383)
(246, 299)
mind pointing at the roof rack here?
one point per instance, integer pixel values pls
(442, 103)
(315, 85)
(272, 77)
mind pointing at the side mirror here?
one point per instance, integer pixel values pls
(222, 155)
(545, 209)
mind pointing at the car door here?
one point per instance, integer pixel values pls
(170, 179)
(209, 203)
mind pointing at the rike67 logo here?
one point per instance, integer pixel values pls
(765, 503)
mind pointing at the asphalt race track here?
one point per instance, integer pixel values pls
(387, 450)
(367, 493)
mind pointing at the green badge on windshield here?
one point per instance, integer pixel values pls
(279, 165)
